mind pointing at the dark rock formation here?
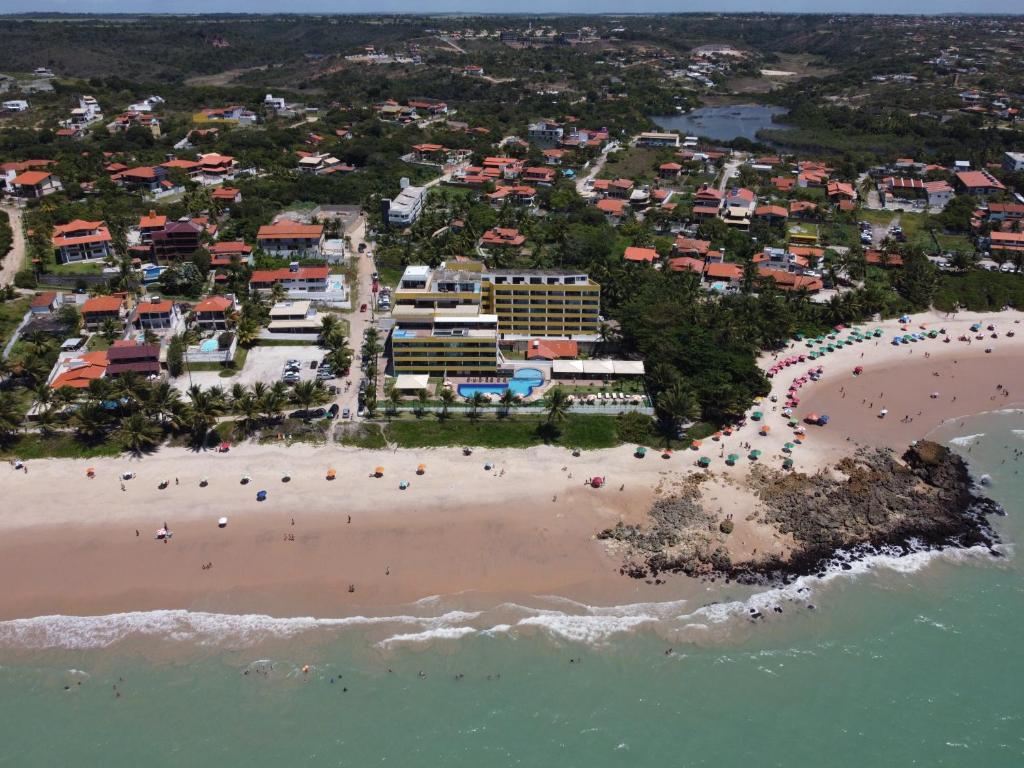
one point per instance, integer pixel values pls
(925, 500)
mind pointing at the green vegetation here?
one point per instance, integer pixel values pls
(6, 235)
(587, 431)
(979, 291)
(11, 314)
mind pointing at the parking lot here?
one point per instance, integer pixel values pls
(262, 364)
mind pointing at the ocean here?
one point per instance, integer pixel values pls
(908, 660)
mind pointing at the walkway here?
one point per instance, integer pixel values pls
(16, 256)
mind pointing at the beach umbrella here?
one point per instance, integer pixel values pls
(222, 522)
(732, 458)
(704, 461)
(90, 472)
(717, 436)
(204, 482)
(667, 453)
(596, 482)
(755, 454)
(331, 473)
(245, 480)
(787, 464)
(884, 412)
(695, 444)
(403, 485)
(823, 420)
(789, 447)
(488, 466)
(640, 452)
(728, 431)
(798, 336)
(378, 472)
(756, 415)
(421, 468)
(261, 495)
(793, 422)
(765, 429)
(811, 418)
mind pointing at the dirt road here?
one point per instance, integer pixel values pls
(16, 256)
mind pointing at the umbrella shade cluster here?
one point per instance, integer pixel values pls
(784, 363)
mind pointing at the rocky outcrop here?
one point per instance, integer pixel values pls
(869, 500)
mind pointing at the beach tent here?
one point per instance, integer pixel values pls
(261, 495)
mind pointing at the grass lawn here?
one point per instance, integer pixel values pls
(11, 313)
(76, 268)
(636, 163)
(97, 343)
(362, 436)
(284, 343)
(60, 445)
(578, 431)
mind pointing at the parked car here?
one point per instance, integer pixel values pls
(346, 414)
(314, 364)
(362, 247)
(363, 308)
(332, 412)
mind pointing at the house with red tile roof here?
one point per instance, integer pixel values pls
(554, 156)
(771, 213)
(552, 349)
(177, 240)
(789, 281)
(686, 264)
(289, 238)
(189, 167)
(783, 183)
(803, 209)
(539, 175)
(34, 184)
(613, 209)
(222, 252)
(46, 303)
(882, 259)
(150, 223)
(669, 170)
(226, 196)
(517, 194)
(502, 237)
(1004, 242)
(155, 314)
(840, 190)
(81, 240)
(77, 371)
(685, 246)
(98, 309)
(213, 312)
(640, 255)
(979, 183)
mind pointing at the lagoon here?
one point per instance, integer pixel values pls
(724, 123)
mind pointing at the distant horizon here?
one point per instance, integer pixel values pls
(548, 8)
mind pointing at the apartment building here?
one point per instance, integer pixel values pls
(405, 208)
(453, 319)
(289, 238)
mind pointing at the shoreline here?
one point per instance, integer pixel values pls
(527, 528)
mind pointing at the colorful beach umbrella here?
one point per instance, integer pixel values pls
(787, 464)
(788, 447)
(732, 458)
(754, 454)
(704, 461)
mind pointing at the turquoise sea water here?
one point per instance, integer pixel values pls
(914, 661)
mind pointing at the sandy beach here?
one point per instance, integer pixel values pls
(525, 527)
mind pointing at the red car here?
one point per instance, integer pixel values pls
(362, 308)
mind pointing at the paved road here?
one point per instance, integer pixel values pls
(732, 165)
(581, 182)
(16, 257)
(358, 321)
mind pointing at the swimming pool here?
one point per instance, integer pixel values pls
(209, 345)
(522, 384)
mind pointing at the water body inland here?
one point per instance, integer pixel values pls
(724, 123)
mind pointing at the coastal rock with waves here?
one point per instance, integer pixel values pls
(869, 500)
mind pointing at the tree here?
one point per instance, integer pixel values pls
(10, 415)
(248, 410)
(91, 421)
(558, 405)
(675, 406)
(447, 398)
(508, 399)
(422, 397)
(205, 405)
(164, 403)
(247, 332)
(110, 329)
(476, 402)
(137, 434)
(175, 356)
(394, 400)
(306, 395)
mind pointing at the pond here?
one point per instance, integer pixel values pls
(723, 123)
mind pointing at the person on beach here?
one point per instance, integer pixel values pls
(175, 481)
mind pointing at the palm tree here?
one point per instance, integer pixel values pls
(278, 293)
(558, 405)
(395, 400)
(270, 403)
(131, 389)
(110, 330)
(137, 434)
(475, 403)
(507, 400)
(10, 415)
(247, 331)
(205, 405)
(340, 359)
(305, 395)
(422, 397)
(330, 330)
(447, 398)
(675, 406)
(91, 421)
(45, 419)
(163, 402)
(237, 393)
(248, 410)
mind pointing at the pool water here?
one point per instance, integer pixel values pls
(209, 345)
(522, 384)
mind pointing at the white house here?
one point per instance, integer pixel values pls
(15, 105)
(404, 209)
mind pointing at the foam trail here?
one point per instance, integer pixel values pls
(966, 440)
